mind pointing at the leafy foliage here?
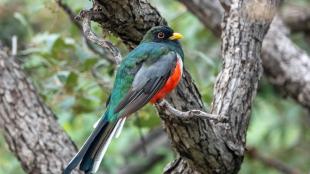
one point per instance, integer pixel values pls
(61, 65)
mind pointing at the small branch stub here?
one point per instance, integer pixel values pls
(164, 105)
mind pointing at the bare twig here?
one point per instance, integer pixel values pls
(70, 13)
(271, 162)
(78, 24)
(102, 82)
(142, 138)
(154, 139)
(143, 166)
(189, 114)
(85, 17)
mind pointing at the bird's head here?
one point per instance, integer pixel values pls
(161, 34)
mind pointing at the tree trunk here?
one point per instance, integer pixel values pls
(29, 126)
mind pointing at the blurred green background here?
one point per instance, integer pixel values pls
(55, 56)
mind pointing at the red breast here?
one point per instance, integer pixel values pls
(171, 83)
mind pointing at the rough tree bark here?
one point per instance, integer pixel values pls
(214, 147)
(29, 126)
(205, 146)
(127, 19)
(285, 64)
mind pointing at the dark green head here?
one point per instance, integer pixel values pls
(161, 34)
(165, 35)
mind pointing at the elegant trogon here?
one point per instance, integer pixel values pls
(147, 74)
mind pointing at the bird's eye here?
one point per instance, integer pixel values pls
(161, 35)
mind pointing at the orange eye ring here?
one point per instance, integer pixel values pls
(161, 35)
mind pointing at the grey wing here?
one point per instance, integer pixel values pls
(147, 82)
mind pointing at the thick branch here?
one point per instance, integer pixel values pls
(211, 16)
(285, 64)
(297, 18)
(127, 19)
(271, 162)
(29, 126)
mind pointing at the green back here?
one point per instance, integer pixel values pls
(148, 53)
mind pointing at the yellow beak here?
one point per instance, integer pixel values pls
(176, 36)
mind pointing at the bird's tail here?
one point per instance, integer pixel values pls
(93, 150)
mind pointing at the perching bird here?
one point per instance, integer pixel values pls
(148, 73)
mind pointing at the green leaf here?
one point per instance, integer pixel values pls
(88, 64)
(72, 81)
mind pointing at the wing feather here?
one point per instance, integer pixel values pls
(147, 82)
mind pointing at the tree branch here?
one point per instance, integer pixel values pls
(85, 17)
(154, 139)
(69, 12)
(297, 18)
(286, 66)
(133, 19)
(148, 149)
(284, 63)
(209, 12)
(143, 166)
(29, 126)
(72, 17)
(274, 163)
